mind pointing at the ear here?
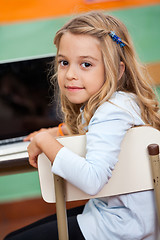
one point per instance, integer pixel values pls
(121, 69)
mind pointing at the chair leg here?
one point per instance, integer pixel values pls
(153, 150)
(61, 208)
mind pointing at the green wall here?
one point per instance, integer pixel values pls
(19, 186)
(36, 38)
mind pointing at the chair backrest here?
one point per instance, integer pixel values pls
(132, 173)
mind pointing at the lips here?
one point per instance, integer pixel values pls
(72, 88)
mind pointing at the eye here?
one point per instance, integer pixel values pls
(63, 63)
(86, 65)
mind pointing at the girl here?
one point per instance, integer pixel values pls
(103, 93)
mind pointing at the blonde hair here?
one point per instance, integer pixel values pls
(133, 80)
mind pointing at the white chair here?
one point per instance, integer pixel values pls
(132, 173)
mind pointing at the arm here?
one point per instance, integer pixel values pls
(106, 131)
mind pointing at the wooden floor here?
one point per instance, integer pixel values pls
(18, 214)
(9, 226)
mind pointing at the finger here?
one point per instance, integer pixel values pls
(26, 139)
(33, 162)
(30, 136)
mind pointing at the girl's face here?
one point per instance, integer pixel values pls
(80, 67)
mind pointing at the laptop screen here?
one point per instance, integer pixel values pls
(26, 97)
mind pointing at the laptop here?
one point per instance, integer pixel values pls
(26, 102)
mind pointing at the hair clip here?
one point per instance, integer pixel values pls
(116, 39)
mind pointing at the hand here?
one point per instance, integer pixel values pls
(53, 131)
(33, 134)
(43, 142)
(33, 151)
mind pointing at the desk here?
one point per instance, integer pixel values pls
(15, 163)
(15, 166)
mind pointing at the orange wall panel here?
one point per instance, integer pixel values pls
(18, 10)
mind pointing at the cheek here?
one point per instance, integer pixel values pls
(98, 82)
(97, 87)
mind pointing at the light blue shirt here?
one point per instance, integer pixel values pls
(123, 217)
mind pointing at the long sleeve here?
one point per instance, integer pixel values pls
(106, 131)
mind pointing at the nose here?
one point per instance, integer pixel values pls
(71, 73)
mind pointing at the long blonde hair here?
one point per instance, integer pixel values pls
(133, 80)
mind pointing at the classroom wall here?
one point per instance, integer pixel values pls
(31, 34)
(32, 38)
(17, 10)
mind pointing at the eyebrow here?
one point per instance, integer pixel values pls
(89, 57)
(82, 57)
(60, 55)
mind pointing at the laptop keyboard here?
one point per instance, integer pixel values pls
(11, 140)
(13, 147)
